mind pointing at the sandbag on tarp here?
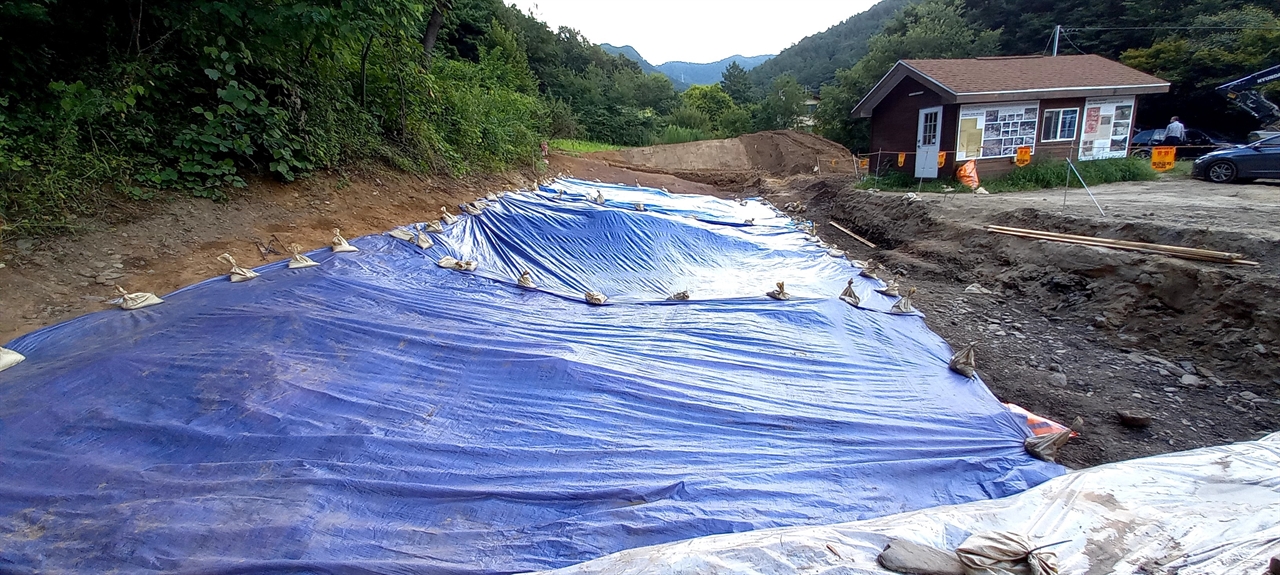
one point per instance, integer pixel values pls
(1211, 511)
(379, 414)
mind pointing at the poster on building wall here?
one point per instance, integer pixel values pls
(1108, 123)
(996, 130)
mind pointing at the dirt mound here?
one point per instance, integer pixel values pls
(738, 160)
(1223, 312)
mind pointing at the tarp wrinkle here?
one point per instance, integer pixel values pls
(377, 413)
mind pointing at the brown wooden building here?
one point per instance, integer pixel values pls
(984, 109)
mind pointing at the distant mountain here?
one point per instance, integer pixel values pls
(631, 54)
(685, 74)
(700, 74)
(814, 60)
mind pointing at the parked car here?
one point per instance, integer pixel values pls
(1196, 144)
(1260, 134)
(1260, 159)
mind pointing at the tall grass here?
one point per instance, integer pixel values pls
(1035, 176)
(581, 146)
(679, 135)
(1056, 174)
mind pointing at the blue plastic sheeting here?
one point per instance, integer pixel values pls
(379, 414)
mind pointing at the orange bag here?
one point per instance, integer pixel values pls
(968, 174)
(1039, 425)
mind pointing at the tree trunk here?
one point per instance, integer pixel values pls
(433, 29)
(364, 65)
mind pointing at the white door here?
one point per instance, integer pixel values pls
(927, 145)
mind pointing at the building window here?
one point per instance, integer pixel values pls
(1059, 125)
(930, 132)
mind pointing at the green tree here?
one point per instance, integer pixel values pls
(1196, 63)
(710, 100)
(734, 123)
(782, 106)
(814, 60)
(690, 117)
(737, 84)
(931, 29)
(646, 91)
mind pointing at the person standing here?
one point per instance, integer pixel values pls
(1175, 133)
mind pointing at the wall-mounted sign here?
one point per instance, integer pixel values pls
(1107, 126)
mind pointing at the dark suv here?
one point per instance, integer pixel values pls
(1196, 144)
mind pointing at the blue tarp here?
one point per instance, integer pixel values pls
(380, 414)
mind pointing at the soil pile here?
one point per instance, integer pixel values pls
(737, 161)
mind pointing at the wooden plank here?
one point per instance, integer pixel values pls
(853, 235)
(1158, 249)
(1126, 243)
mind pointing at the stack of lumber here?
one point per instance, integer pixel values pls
(1172, 251)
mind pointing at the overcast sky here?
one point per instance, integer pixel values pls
(698, 31)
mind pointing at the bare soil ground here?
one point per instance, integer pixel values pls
(1067, 331)
(162, 245)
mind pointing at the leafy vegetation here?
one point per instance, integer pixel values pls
(1037, 175)
(1156, 36)
(133, 98)
(581, 146)
(1196, 44)
(931, 29)
(1054, 174)
(814, 61)
(674, 134)
(1195, 64)
(736, 82)
(711, 112)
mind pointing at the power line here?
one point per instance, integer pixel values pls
(1073, 44)
(1089, 28)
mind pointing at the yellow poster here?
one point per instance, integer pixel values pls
(942, 159)
(1162, 158)
(970, 139)
(1024, 156)
(902, 159)
(864, 163)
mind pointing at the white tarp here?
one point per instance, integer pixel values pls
(1212, 511)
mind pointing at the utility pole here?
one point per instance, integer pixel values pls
(1057, 32)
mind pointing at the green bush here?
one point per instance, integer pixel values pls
(679, 135)
(691, 118)
(191, 96)
(1054, 174)
(582, 146)
(1037, 175)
